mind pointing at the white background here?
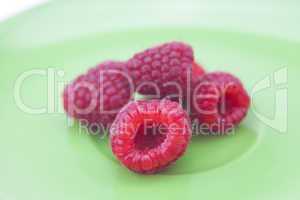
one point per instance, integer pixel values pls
(9, 8)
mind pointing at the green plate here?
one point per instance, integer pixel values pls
(44, 156)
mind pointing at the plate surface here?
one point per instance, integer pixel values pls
(43, 158)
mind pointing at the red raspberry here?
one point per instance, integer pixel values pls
(220, 102)
(147, 136)
(98, 95)
(162, 70)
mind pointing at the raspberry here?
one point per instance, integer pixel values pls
(98, 95)
(220, 102)
(149, 135)
(162, 70)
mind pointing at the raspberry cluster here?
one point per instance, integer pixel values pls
(148, 135)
